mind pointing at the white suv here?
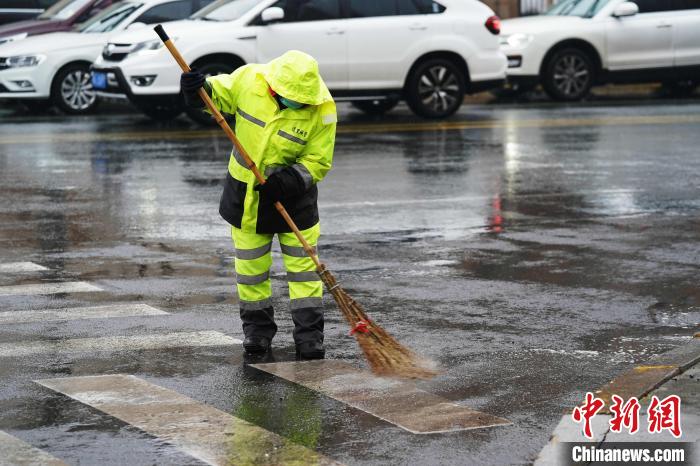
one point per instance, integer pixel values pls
(370, 52)
(579, 43)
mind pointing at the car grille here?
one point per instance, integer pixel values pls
(3, 63)
(3, 88)
(116, 52)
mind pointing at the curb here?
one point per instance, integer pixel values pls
(639, 382)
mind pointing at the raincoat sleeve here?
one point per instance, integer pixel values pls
(317, 158)
(225, 89)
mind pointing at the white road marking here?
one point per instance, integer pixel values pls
(48, 288)
(21, 267)
(14, 451)
(200, 430)
(118, 343)
(77, 313)
(396, 401)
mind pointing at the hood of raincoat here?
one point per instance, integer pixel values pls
(295, 75)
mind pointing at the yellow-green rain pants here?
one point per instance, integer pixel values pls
(253, 262)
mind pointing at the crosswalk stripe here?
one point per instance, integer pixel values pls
(48, 288)
(14, 451)
(200, 430)
(396, 401)
(19, 267)
(117, 343)
(78, 313)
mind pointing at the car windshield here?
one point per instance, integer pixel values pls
(225, 10)
(63, 9)
(582, 8)
(110, 18)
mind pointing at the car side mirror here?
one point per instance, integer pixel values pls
(272, 14)
(136, 25)
(625, 9)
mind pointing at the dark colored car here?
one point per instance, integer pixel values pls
(61, 16)
(18, 10)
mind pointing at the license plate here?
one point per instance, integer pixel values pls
(99, 80)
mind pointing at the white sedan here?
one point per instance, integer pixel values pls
(55, 66)
(579, 43)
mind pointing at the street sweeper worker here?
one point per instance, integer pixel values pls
(285, 119)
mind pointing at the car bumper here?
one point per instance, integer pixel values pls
(118, 88)
(25, 83)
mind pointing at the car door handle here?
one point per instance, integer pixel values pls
(335, 31)
(417, 27)
(663, 25)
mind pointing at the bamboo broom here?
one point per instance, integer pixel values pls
(385, 355)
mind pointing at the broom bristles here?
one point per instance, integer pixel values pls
(385, 355)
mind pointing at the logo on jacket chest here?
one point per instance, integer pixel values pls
(300, 132)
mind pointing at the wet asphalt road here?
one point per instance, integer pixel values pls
(534, 253)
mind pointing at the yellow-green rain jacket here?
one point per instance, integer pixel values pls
(275, 139)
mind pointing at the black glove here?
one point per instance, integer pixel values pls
(281, 185)
(273, 189)
(191, 81)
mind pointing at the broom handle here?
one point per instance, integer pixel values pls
(229, 132)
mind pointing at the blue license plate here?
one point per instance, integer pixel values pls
(99, 80)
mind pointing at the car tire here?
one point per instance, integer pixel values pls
(375, 107)
(435, 88)
(568, 75)
(209, 69)
(161, 111)
(72, 91)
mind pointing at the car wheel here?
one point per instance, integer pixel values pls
(568, 75)
(375, 107)
(72, 90)
(209, 69)
(435, 88)
(161, 112)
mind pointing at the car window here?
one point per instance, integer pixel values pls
(44, 3)
(109, 18)
(582, 8)
(655, 6)
(369, 8)
(225, 10)
(166, 12)
(309, 10)
(418, 7)
(64, 9)
(29, 4)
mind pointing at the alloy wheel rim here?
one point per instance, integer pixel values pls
(571, 75)
(438, 88)
(77, 91)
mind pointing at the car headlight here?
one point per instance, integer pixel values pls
(4, 40)
(23, 61)
(517, 41)
(141, 47)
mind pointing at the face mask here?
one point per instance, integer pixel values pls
(291, 103)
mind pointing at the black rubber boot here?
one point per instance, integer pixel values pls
(308, 332)
(259, 329)
(256, 345)
(311, 350)
(308, 324)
